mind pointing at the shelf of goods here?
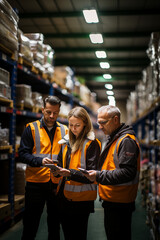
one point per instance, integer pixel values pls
(14, 114)
(145, 119)
(23, 85)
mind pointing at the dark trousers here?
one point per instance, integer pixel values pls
(117, 222)
(36, 196)
(75, 225)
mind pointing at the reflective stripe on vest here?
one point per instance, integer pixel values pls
(43, 174)
(81, 188)
(83, 162)
(38, 144)
(116, 162)
(125, 192)
(79, 191)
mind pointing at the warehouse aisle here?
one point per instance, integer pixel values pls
(95, 229)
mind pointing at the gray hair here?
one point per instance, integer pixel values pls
(111, 110)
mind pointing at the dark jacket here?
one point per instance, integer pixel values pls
(127, 156)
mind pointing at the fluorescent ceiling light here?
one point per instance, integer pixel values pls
(107, 76)
(108, 86)
(101, 54)
(111, 100)
(109, 93)
(104, 65)
(96, 38)
(91, 16)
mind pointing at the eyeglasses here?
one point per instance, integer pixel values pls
(104, 122)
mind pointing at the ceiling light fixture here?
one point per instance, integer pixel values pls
(96, 38)
(107, 76)
(108, 86)
(104, 65)
(110, 93)
(112, 100)
(101, 54)
(90, 16)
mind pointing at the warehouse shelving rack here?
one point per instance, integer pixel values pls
(8, 107)
(20, 74)
(146, 128)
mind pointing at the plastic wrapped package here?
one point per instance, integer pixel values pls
(8, 39)
(24, 95)
(38, 57)
(85, 95)
(149, 85)
(20, 178)
(35, 36)
(152, 50)
(24, 47)
(48, 55)
(5, 90)
(6, 21)
(4, 136)
(37, 48)
(4, 76)
(8, 26)
(141, 94)
(64, 110)
(48, 60)
(60, 75)
(6, 7)
(37, 99)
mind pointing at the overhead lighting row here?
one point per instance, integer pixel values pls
(91, 16)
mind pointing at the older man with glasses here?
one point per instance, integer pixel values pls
(118, 173)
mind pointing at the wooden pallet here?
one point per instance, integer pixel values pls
(36, 109)
(5, 210)
(19, 201)
(7, 51)
(6, 102)
(24, 62)
(8, 148)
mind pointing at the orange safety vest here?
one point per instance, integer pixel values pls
(123, 193)
(43, 148)
(77, 191)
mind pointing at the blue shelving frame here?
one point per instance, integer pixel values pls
(11, 66)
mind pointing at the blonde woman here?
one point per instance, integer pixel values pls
(80, 149)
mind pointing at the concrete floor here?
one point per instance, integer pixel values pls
(140, 230)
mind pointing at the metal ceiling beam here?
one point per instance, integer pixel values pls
(93, 49)
(115, 74)
(114, 79)
(119, 88)
(121, 76)
(105, 35)
(87, 62)
(80, 14)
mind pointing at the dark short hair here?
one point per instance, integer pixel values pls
(53, 100)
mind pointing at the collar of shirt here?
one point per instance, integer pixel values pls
(45, 126)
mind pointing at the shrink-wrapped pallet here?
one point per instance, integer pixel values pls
(8, 26)
(5, 90)
(4, 76)
(37, 99)
(24, 47)
(37, 48)
(24, 95)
